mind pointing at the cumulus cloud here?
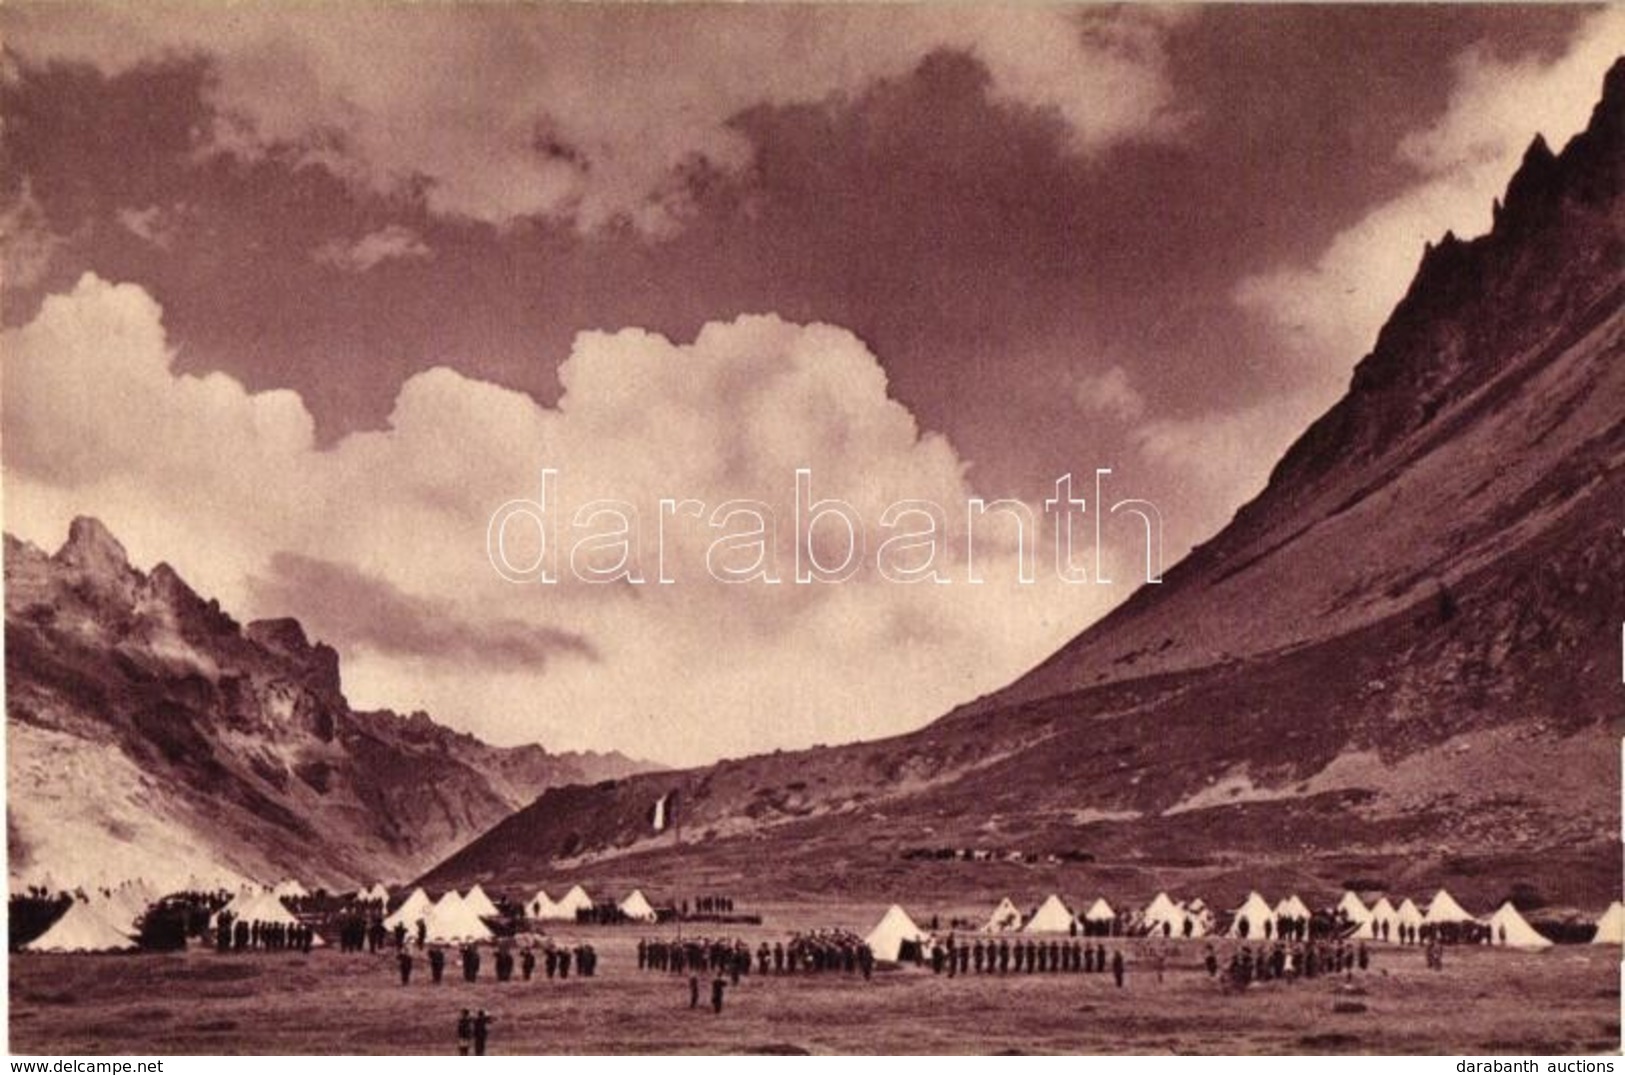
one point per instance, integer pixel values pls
(380, 539)
(373, 249)
(576, 111)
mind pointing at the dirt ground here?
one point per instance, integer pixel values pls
(1563, 1000)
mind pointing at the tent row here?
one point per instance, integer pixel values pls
(1256, 918)
(1162, 914)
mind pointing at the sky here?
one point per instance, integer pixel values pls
(297, 297)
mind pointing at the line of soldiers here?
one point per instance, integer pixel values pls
(695, 953)
(236, 935)
(820, 950)
(1004, 956)
(556, 962)
(358, 933)
(711, 905)
(1288, 961)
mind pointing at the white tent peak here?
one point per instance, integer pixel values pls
(82, 928)
(1444, 908)
(1255, 911)
(407, 914)
(1005, 917)
(1100, 911)
(1354, 907)
(1292, 907)
(480, 903)
(1510, 928)
(1052, 916)
(636, 907)
(891, 932)
(452, 920)
(1611, 926)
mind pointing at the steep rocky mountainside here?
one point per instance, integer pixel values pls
(151, 735)
(1401, 661)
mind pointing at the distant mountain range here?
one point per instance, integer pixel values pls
(1399, 664)
(151, 735)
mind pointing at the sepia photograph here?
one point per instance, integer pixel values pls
(840, 529)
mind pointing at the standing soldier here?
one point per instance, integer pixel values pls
(465, 1033)
(527, 962)
(1117, 967)
(437, 963)
(718, 984)
(482, 1027)
(405, 960)
(693, 991)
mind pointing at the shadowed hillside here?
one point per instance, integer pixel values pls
(1400, 661)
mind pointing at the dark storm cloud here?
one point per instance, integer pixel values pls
(346, 606)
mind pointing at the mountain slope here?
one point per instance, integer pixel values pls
(149, 735)
(1401, 658)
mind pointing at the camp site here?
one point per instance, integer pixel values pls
(290, 967)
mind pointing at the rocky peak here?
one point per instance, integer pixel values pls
(1553, 252)
(317, 662)
(92, 549)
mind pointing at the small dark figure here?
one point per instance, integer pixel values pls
(437, 963)
(718, 984)
(482, 1030)
(1117, 968)
(527, 963)
(693, 991)
(405, 961)
(1212, 962)
(465, 1033)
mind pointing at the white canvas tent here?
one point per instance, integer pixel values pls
(574, 900)
(541, 905)
(1354, 908)
(290, 889)
(1291, 907)
(1006, 918)
(480, 903)
(1407, 915)
(124, 907)
(1509, 928)
(82, 928)
(452, 921)
(407, 914)
(637, 908)
(894, 929)
(265, 909)
(1382, 912)
(1611, 926)
(1255, 911)
(1052, 916)
(1162, 916)
(1444, 908)
(1100, 911)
